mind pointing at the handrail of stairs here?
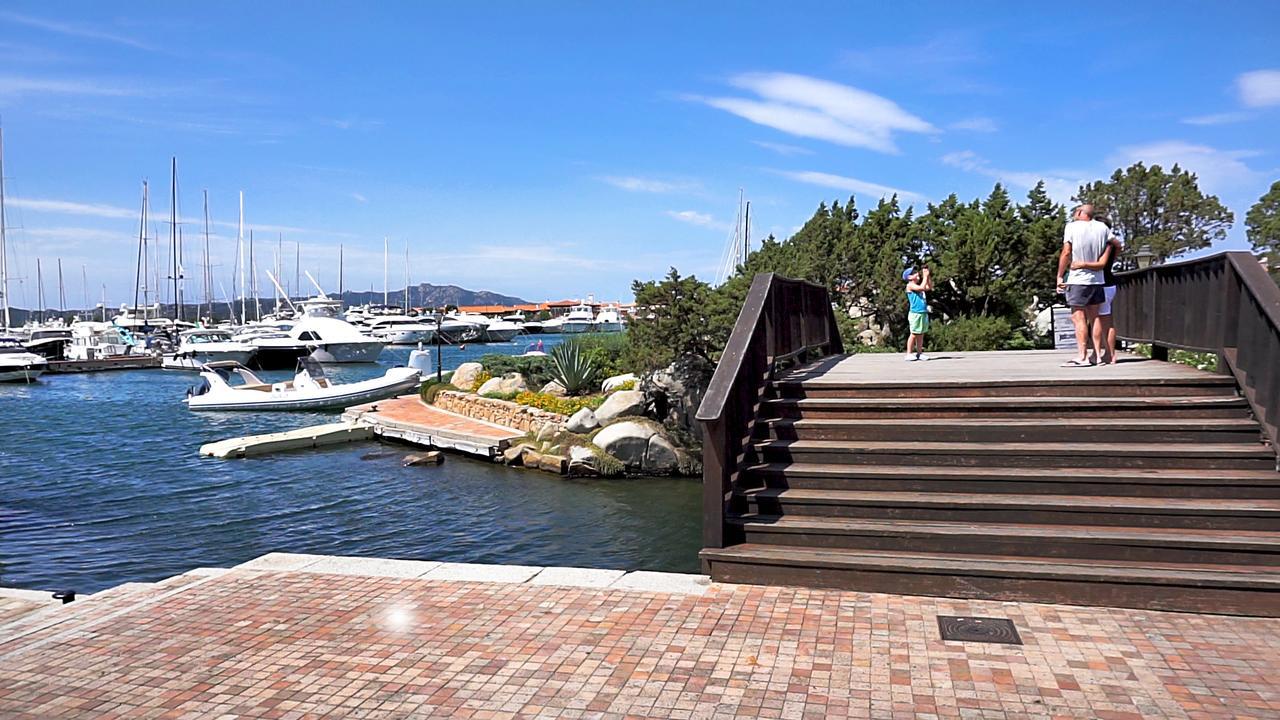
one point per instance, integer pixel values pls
(781, 319)
(1224, 304)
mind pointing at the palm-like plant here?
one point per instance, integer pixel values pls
(572, 369)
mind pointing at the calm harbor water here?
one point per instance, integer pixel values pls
(100, 483)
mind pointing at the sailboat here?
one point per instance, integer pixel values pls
(4, 252)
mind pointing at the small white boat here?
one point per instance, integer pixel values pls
(400, 330)
(17, 364)
(197, 348)
(232, 386)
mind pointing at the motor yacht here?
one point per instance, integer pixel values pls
(400, 329)
(232, 386)
(98, 340)
(607, 321)
(335, 341)
(19, 365)
(502, 330)
(48, 341)
(455, 329)
(579, 320)
(206, 345)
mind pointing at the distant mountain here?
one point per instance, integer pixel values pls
(428, 295)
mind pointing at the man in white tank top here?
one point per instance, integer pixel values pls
(1084, 240)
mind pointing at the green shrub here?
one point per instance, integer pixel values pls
(431, 388)
(482, 378)
(572, 368)
(628, 385)
(559, 405)
(535, 370)
(970, 333)
(605, 351)
(501, 395)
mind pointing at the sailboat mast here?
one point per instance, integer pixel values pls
(277, 292)
(208, 271)
(297, 264)
(384, 270)
(406, 277)
(139, 278)
(341, 289)
(39, 291)
(62, 291)
(746, 234)
(244, 312)
(253, 281)
(84, 285)
(175, 247)
(146, 257)
(4, 253)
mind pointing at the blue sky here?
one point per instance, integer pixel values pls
(560, 149)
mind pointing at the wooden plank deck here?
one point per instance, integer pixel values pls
(1040, 366)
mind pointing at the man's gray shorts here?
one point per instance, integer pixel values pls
(1085, 295)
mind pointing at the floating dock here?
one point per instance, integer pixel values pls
(128, 362)
(409, 419)
(300, 439)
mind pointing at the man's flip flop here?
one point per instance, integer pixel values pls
(1076, 363)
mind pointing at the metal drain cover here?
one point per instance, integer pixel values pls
(977, 629)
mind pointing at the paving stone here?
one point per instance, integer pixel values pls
(647, 581)
(377, 567)
(281, 561)
(483, 573)
(576, 577)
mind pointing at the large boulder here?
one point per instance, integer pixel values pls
(676, 391)
(554, 389)
(627, 440)
(624, 403)
(640, 446)
(616, 380)
(505, 385)
(583, 421)
(465, 376)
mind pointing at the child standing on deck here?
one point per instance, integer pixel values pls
(918, 316)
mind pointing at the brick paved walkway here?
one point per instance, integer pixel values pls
(290, 644)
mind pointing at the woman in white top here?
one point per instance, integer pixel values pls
(1114, 246)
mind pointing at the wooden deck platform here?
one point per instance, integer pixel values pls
(409, 419)
(1004, 475)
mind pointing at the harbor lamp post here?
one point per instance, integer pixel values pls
(1144, 257)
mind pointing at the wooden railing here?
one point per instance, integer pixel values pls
(1224, 304)
(782, 320)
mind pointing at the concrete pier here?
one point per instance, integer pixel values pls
(408, 419)
(309, 437)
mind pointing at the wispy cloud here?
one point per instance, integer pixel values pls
(1225, 118)
(976, 124)
(350, 123)
(66, 207)
(1060, 184)
(694, 217)
(809, 107)
(17, 85)
(848, 184)
(1259, 88)
(80, 31)
(944, 64)
(784, 150)
(648, 185)
(360, 198)
(1218, 170)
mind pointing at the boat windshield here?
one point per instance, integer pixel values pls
(313, 368)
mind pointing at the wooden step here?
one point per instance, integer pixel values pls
(1145, 544)
(1206, 513)
(1190, 587)
(1156, 482)
(1223, 406)
(1047, 429)
(1081, 456)
(1206, 385)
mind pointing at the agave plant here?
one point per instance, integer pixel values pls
(572, 369)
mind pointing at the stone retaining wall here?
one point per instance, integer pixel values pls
(502, 412)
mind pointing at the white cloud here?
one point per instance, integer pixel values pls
(1259, 88)
(1061, 185)
(696, 218)
(848, 184)
(360, 198)
(1218, 118)
(64, 207)
(809, 107)
(784, 150)
(16, 85)
(1217, 170)
(73, 30)
(976, 124)
(638, 184)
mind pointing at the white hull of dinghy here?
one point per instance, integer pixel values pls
(397, 381)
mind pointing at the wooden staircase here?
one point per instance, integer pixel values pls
(1159, 493)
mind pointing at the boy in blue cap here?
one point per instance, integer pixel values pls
(917, 284)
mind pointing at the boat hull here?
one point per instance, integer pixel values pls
(194, 361)
(21, 375)
(344, 396)
(279, 357)
(406, 337)
(501, 334)
(347, 352)
(572, 327)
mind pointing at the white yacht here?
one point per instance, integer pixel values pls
(461, 328)
(335, 341)
(502, 330)
(552, 325)
(579, 320)
(231, 386)
(98, 340)
(608, 321)
(17, 364)
(48, 341)
(206, 345)
(400, 329)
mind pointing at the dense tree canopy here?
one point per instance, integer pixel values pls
(1262, 227)
(1163, 210)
